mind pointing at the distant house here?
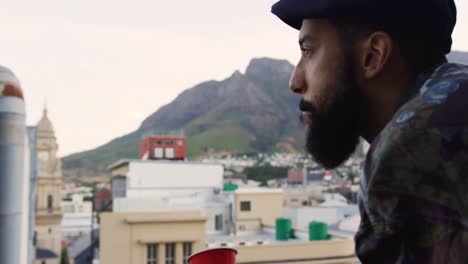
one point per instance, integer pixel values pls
(103, 200)
(295, 176)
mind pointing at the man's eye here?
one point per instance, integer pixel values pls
(306, 52)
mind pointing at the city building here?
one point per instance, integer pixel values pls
(164, 184)
(32, 172)
(103, 200)
(165, 211)
(77, 217)
(163, 147)
(300, 195)
(172, 236)
(295, 176)
(162, 237)
(81, 250)
(302, 216)
(48, 232)
(253, 208)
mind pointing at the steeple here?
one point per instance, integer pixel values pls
(44, 111)
(44, 127)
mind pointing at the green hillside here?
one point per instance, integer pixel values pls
(251, 112)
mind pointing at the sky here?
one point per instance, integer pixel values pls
(102, 66)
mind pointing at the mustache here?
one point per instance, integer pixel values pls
(306, 106)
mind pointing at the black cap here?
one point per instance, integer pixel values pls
(428, 20)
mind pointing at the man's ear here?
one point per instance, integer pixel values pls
(375, 55)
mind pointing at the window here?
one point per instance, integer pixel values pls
(43, 262)
(152, 254)
(245, 206)
(187, 246)
(219, 222)
(50, 203)
(170, 253)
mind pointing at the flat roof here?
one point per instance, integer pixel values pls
(258, 190)
(267, 236)
(123, 162)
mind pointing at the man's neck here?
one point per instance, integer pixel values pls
(382, 104)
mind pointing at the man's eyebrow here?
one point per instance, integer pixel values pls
(305, 38)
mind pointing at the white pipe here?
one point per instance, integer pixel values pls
(12, 169)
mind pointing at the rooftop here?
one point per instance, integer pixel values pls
(267, 236)
(257, 190)
(124, 162)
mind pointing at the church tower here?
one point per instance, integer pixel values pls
(48, 201)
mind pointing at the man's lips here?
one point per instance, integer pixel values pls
(308, 111)
(307, 118)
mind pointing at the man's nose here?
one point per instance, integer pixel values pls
(296, 83)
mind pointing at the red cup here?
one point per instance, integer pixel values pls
(214, 256)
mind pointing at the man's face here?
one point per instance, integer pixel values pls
(330, 93)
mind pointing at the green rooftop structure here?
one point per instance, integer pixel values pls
(230, 187)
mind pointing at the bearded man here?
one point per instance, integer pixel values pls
(377, 69)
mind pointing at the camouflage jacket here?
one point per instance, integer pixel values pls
(414, 191)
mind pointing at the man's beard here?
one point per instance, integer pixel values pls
(334, 135)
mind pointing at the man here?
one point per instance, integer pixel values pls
(377, 69)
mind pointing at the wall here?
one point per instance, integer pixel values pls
(198, 194)
(331, 251)
(264, 205)
(48, 186)
(124, 236)
(153, 174)
(49, 237)
(302, 216)
(210, 211)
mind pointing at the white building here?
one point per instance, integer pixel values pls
(152, 197)
(333, 211)
(155, 186)
(148, 178)
(77, 215)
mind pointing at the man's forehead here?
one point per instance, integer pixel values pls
(313, 29)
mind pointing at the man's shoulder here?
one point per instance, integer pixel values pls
(440, 106)
(423, 151)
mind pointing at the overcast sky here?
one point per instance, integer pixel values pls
(105, 65)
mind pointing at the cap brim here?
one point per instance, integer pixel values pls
(287, 14)
(294, 12)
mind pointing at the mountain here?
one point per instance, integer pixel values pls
(251, 112)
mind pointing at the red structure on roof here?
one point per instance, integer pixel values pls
(163, 147)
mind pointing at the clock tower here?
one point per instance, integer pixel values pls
(48, 201)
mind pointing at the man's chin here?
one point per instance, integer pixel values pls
(327, 163)
(331, 153)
